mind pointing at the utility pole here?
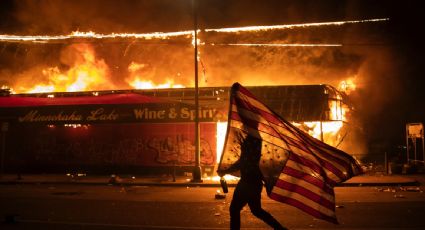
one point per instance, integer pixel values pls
(4, 129)
(197, 169)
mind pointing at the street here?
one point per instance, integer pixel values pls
(43, 206)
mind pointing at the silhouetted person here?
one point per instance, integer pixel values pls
(249, 188)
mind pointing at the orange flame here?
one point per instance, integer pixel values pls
(138, 81)
(86, 73)
(162, 35)
(326, 131)
(347, 86)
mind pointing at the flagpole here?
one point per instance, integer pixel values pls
(197, 169)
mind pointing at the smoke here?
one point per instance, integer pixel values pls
(364, 56)
(371, 67)
(222, 65)
(102, 16)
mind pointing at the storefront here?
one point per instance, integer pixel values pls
(125, 132)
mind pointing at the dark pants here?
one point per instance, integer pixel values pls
(249, 193)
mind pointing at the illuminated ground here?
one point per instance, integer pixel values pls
(147, 207)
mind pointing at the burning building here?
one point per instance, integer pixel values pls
(149, 131)
(93, 128)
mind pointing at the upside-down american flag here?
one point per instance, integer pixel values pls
(297, 169)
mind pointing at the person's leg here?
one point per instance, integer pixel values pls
(256, 209)
(238, 201)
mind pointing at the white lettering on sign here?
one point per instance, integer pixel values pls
(148, 114)
(101, 115)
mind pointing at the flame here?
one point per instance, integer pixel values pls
(278, 45)
(347, 86)
(86, 73)
(291, 26)
(228, 178)
(42, 89)
(338, 110)
(221, 136)
(162, 35)
(137, 81)
(91, 35)
(90, 73)
(142, 84)
(328, 130)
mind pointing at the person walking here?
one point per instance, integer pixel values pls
(249, 188)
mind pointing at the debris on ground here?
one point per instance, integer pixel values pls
(219, 195)
(413, 189)
(114, 179)
(401, 188)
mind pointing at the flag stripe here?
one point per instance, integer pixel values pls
(318, 169)
(332, 154)
(296, 196)
(306, 193)
(309, 159)
(304, 207)
(306, 177)
(253, 123)
(330, 198)
(273, 128)
(258, 134)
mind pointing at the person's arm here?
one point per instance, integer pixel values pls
(234, 167)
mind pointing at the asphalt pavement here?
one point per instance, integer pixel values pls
(376, 179)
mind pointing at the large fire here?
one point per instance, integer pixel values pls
(87, 72)
(90, 73)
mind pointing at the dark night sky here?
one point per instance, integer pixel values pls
(398, 80)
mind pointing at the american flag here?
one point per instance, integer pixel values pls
(298, 169)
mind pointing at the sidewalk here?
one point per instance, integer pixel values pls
(126, 180)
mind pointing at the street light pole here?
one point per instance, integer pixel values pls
(197, 169)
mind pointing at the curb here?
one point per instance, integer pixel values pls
(188, 184)
(371, 184)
